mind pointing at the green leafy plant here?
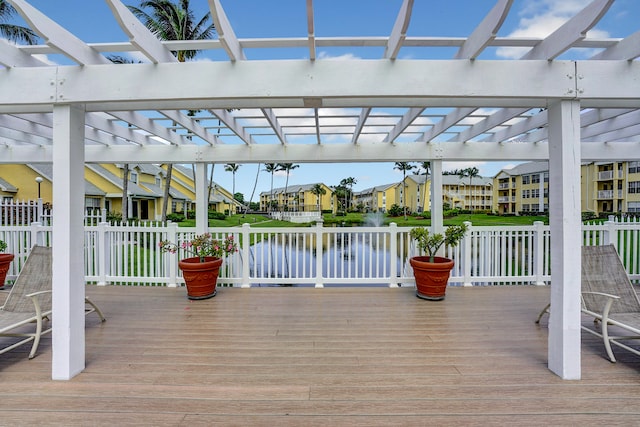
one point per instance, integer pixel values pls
(202, 246)
(3, 246)
(429, 243)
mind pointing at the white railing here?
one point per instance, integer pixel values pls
(319, 256)
(25, 212)
(297, 217)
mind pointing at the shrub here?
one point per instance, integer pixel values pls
(217, 215)
(175, 217)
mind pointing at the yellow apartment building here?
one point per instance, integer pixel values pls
(104, 188)
(376, 199)
(606, 187)
(522, 189)
(298, 198)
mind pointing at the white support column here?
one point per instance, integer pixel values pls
(68, 339)
(202, 204)
(437, 223)
(565, 221)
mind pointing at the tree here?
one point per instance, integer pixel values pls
(426, 171)
(472, 172)
(233, 168)
(404, 167)
(270, 168)
(348, 183)
(255, 184)
(319, 191)
(287, 167)
(125, 193)
(169, 20)
(15, 33)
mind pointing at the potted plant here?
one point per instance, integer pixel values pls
(5, 262)
(432, 272)
(200, 272)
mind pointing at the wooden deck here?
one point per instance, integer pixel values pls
(319, 357)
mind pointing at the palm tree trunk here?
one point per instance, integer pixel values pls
(255, 184)
(125, 193)
(167, 186)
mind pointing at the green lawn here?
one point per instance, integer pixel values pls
(356, 219)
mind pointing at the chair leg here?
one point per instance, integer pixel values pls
(542, 313)
(607, 343)
(36, 338)
(95, 308)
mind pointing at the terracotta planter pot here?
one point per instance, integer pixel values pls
(5, 262)
(201, 278)
(431, 277)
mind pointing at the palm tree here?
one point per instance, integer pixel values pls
(426, 170)
(170, 20)
(472, 172)
(319, 191)
(255, 184)
(287, 167)
(270, 168)
(404, 167)
(233, 168)
(348, 183)
(15, 33)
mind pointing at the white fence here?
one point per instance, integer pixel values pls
(322, 256)
(26, 212)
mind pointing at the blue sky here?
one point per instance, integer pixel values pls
(91, 21)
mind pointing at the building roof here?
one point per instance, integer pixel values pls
(7, 187)
(525, 169)
(133, 189)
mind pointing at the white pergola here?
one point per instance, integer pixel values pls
(538, 107)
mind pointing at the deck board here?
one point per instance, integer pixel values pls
(333, 356)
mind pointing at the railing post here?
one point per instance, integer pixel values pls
(538, 252)
(246, 246)
(610, 232)
(37, 234)
(319, 253)
(172, 233)
(393, 250)
(467, 255)
(104, 252)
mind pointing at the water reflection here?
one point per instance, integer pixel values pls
(345, 255)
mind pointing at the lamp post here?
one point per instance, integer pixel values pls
(39, 181)
(40, 212)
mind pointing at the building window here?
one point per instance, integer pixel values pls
(634, 187)
(535, 193)
(546, 177)
(526, 179)
(525, 194)
(633, 207)
(634, 167)
(133, 177)
(535, 179)
(158, 181)
(91, 202)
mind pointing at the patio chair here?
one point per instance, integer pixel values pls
(609, 297)
(30, 302)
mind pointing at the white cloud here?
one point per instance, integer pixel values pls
(540, 18)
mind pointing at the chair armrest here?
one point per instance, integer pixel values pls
(607, 306)
(602, 294)
(33, 294)
(36, 303)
